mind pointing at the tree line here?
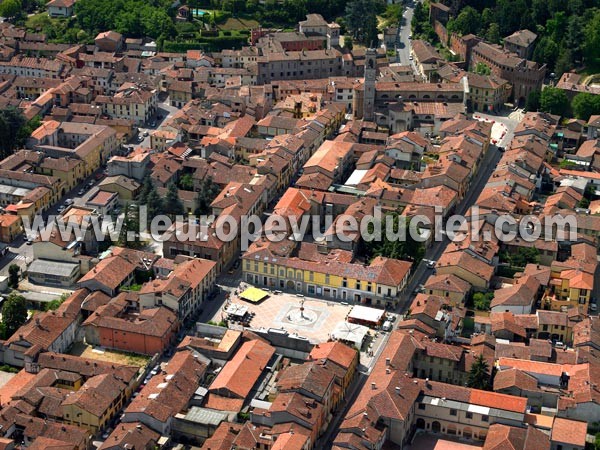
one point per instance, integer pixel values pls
(568, 31)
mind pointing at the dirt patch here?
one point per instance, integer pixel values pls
(104, 354)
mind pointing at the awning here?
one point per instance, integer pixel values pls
(361, 313)
(236, 310)
(254, 295)
(350, 332)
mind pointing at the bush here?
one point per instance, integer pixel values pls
(209, 33)
(482, 301)
(9, 369)
(227, 33)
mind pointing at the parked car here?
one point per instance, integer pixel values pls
(80, 192)
(69, 202)
(61, 208)
(593, 307)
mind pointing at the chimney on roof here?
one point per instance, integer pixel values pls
(398, 390)
(373, 385)
(388, 361)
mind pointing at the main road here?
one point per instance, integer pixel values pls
(422, 272)
(503, 127)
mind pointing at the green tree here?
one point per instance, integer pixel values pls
(172, 203)
(546, 52)
(406, 247)
(479, 374)
(13, 275)
(14, 314)
(130, 230)
(207, 193)
(11, 121)
(154, 203)
(482, 69)
(482, 301)
(591, 46)
(584, 203)
(147, 186)
(54, 304)
(186, 182)
(468, 21)
(554, 101)
(564, 63)
(524, 256)
(361, 19)
(348, 42)
(493, 33)
(585, 105)
(533, 101)
(10, 8)
(575, 37)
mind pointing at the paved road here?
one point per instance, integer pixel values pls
(403, 42)
(165, 110)
(422, 272)
(489, 163)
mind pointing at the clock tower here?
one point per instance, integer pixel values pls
(369, 84)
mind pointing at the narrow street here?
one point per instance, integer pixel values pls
(403, 45)
(489, 163)
(502, 131)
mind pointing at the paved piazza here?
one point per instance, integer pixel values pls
(283, 311)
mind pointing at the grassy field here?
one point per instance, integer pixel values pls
(238, 24)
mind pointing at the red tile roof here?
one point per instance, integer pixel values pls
(566, 431)
(336, 352)
(242, 372)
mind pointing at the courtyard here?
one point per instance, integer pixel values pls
(103, 354)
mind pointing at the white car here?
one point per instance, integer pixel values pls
(61, 208)
(593, 307)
